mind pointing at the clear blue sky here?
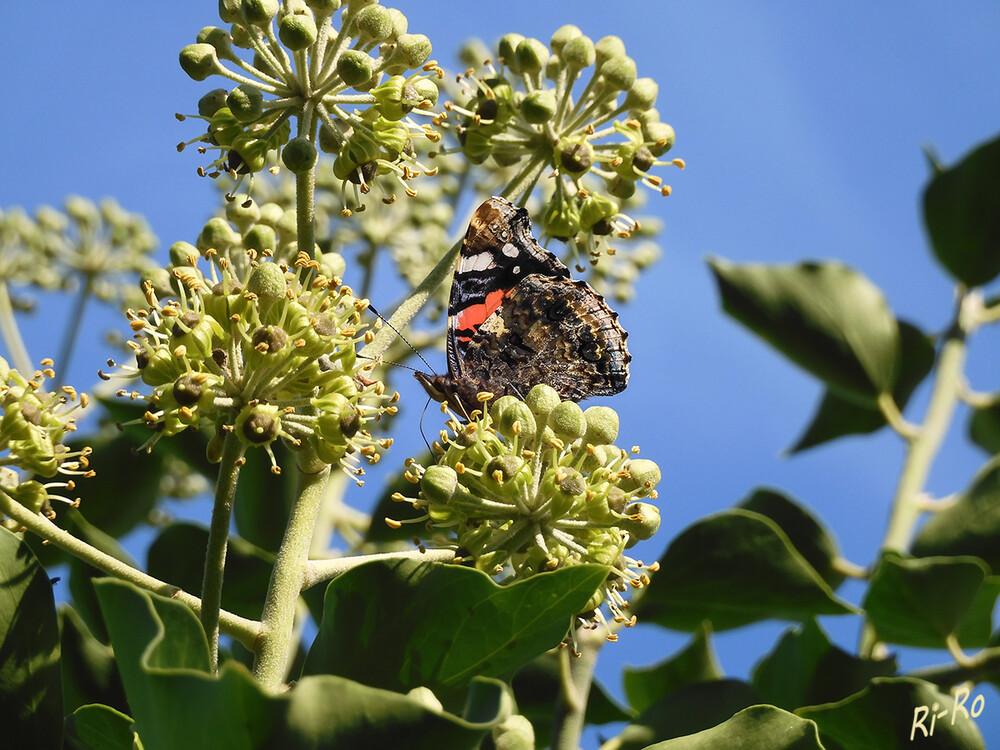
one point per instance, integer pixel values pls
(802, 125)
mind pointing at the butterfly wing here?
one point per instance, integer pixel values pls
(499, 251)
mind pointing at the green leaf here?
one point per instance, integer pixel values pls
(805, 669)
(971, 526)
(89, 671)
(176, 702)
(98, 727)
(690, 709)
(838, 416)
(984, 427)
(920, 602)
(754, 728)
(825, 317)
(177, 555)
(962, 214)
(734, 568)
(31, 703)
(805, 532)
(696, 662)
(884, 716)
(537, 687)
(401, 624)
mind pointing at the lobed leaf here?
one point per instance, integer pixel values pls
(695, 663)
(753, 728)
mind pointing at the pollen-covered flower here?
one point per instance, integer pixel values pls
(260, 351)
(355, 90)
(33, 429)
(539, 484)
(573, 108)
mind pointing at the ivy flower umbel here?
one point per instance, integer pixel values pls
(33, 428)
(263, 354)
(353, 89)
(599, 140)
(538, 484)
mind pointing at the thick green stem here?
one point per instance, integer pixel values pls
(11, 333)
(288, 576)
(240, 628)
(576, 676)
(317, 571)
(305, 211)
(218, 540)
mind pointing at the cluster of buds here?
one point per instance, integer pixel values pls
(600, 138)
(262, 352)
(353, 89)
(99, 246)
(34, 425)
(538, 484)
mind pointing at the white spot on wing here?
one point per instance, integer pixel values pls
(509, 250)
(479, 261)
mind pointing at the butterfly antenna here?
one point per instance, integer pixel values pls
(422, 435)
(401, 336)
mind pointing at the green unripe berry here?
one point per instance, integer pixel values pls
(259, 12)
(258, 425)
(542, 399)
(271, 213)
(245, 102)
(355, 66)
(438, 484)
(511, 413)
(563, 35)
(567, 421)
(507, 49)
(643, 476)
(332, 264)
(642, 94)
(299, 155)
(561, 219)
(297, 32)
(578, 53)
(373, 24)
(539, 106)
(199, 61)
(211, 102)
(217, 235)
(530, 56)
(602, 425)
(267, 281)
(260, 238)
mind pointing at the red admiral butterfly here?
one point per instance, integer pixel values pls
(516, 319)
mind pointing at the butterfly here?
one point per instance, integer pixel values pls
(517, 319)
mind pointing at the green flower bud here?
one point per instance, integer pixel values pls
(31, 494)
(576, 158)
(243, 212)
(199, 61)
(217, 235)
(259, 12)
(297, 32)
(267, 281)
(260, 238)
(223, 128)
(542, 399)
(330, 141)
(229, 10)
(539, 106)
(619, 73)
(621, 187)
(567, 421)
(324, 6)
(607, 48)
(245, 102)
(332, 264)
(438, 484)
(240, 35)
(374, 24)
(642, 94)
(259, 424)
(399, 25)
(427, 90)
(596, 212)
(508, 413)
(211, 102)
(411, 52)
(299, 155)
(251, 152)
(643, 521)
(531, 56)
(196, 333)
(662, 136)
(561, 219)
(602, 425)
(563, 35)
(507, 49)
(643, 476)
(218, 38)
(355, 66)
(578, 53)
(184, 254)
(395, 97)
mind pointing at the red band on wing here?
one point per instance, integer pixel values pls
(471, 317)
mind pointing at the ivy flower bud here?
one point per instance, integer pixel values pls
(411, 52)
(531, 56)
(355, 67)
(243, 212)
(563, 35)
(259, 12)
(299, 155)
(245, 102)
(578, 53)
(297, 32)
(374, 24)
(538, 106)
(507, 47)
(642, 94)
(211, 102)
(199, 61)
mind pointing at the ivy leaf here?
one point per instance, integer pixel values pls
(971, 526)
(398, 625)
(837, 416)
(884, 715)
(753, 728)
(31, 702)
(984, 427)
(734, 568)
(89, 671)
(962, 214)
(695, 663)
(921, 602)
(826, 318)
(98, 727)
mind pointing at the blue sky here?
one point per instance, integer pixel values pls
(802, 127)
